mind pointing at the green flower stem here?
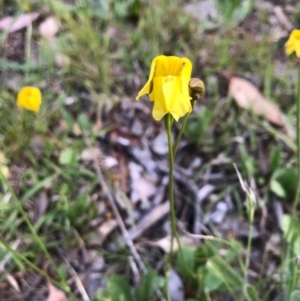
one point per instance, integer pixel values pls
(297, 199)
(168, 124)
(178, 138)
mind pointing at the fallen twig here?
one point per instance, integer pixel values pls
(117, 215)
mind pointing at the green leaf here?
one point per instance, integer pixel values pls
(290, 227)
(211, 282)
(223, 271)
(147, 286)
(295, 296)
(185, 262)
(204, 252)
(36, 188)
(84, 122)
(118, 289)
(277, 188)
(251, 293)
(287, 177)
(275, 159)
(67, 156)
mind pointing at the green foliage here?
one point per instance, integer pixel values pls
(204, 271)
(68, 157)
(149, 282)
(251, 293)
(295, 296)
(286, 179)
(186, 263)
(290, 227)
(222, 270)
(231, 12)
(118, 288)
(197, 128)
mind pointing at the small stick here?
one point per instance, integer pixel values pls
(117, 215)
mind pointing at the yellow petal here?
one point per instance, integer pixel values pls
(293, 43)
(169, 89)
(29, 98)
(185, 75)
(168, 98)
(163, 66)
(289, 49)
(175, 65)
(295, 34)
(168, 65)
(297, 48)
(157, 95)
(180, 103)
(146, 88)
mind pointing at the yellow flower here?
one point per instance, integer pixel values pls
(168, 86)
(293, 43)
(30, 98)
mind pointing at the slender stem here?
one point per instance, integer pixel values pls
(168, 295)
(251, 210)
(168, 124)
(178, 138)
(174, 234)
(298, 145)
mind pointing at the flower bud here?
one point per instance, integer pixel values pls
(196, 88)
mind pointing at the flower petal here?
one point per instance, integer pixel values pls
(289, 49)
(185, 75)
(147, 86)
(295, 34)
(157, 95)
(29, 98)
(180, 104)
(163, 65)
(297, 48)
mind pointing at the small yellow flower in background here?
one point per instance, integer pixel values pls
(30, 98)
(168, 86)
(26, 6)
(293, 43)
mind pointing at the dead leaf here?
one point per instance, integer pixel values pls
(49, 28)
(55, 294)
(91, 153)
(248, 97)
(14, 24)
(105, 229)
(40, 206)
(149, 220)
(142, 186)
(165, 243)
